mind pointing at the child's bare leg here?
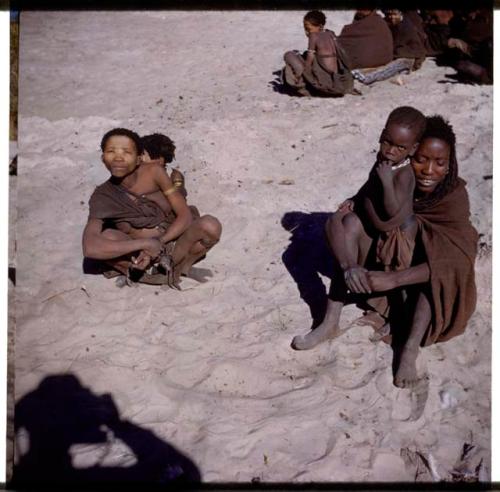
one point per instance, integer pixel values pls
(337, 231)
(357, 241)
(406, 374)
(202, 235)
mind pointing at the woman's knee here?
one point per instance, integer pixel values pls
(351, 223)
(211, 227)
(289, 57)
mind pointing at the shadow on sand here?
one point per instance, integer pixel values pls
(307, 256)
(61, 413)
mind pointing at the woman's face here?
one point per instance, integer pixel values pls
(431, 163)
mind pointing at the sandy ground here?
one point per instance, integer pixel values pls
(209, 371)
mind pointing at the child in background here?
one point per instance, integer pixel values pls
(323, 67)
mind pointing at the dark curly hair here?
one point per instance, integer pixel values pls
(158, 145)
(125, 133)
(315, 17)
(438, 127)
(408, 117)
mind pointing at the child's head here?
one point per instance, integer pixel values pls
(314, 21)
(402, 133)
(121, 151)
(393, 16)
(159, 146)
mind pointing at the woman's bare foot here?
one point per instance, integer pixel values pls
(328, 329)
(406, 374)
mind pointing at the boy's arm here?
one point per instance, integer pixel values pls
(384, 281)
(96, 245)
(397, 189)
(183, 218)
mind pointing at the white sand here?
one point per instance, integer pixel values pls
(210, 369)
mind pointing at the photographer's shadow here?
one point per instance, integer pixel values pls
(62, 415)
(307, 256)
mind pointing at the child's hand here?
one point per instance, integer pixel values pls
(384, 171)
(346, 206)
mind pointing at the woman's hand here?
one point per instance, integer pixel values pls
(150, 252)
(356, 280)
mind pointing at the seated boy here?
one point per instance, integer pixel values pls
(129, 225)
(381, 213)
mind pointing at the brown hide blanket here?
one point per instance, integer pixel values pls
(114, 202)
(450, 243)
(367, 41)
(408, 42)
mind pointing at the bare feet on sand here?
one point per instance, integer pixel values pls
(320, 334)
(406, 374)
(328, 329)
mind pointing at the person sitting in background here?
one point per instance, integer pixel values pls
(367, 40)
(408, 42)
(323, 68)
(408, 50)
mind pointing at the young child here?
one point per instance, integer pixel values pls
(161, 149)
(129, 214)
(381, 211)
(316, 66)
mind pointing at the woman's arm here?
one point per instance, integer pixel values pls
(383, 281)
(96, 245)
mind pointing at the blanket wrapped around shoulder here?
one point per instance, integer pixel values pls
(114, 202)
(450, 243)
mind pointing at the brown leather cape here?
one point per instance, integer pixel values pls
(367, 41)
(113, 202)
(450, 243)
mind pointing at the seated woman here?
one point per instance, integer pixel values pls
(440, 283)
(322, 68)
(409, 49)
(139, 221)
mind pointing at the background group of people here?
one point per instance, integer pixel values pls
(375, 48)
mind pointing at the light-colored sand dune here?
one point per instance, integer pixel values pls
(210, 370)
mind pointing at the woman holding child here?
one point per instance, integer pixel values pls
(439, 286)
